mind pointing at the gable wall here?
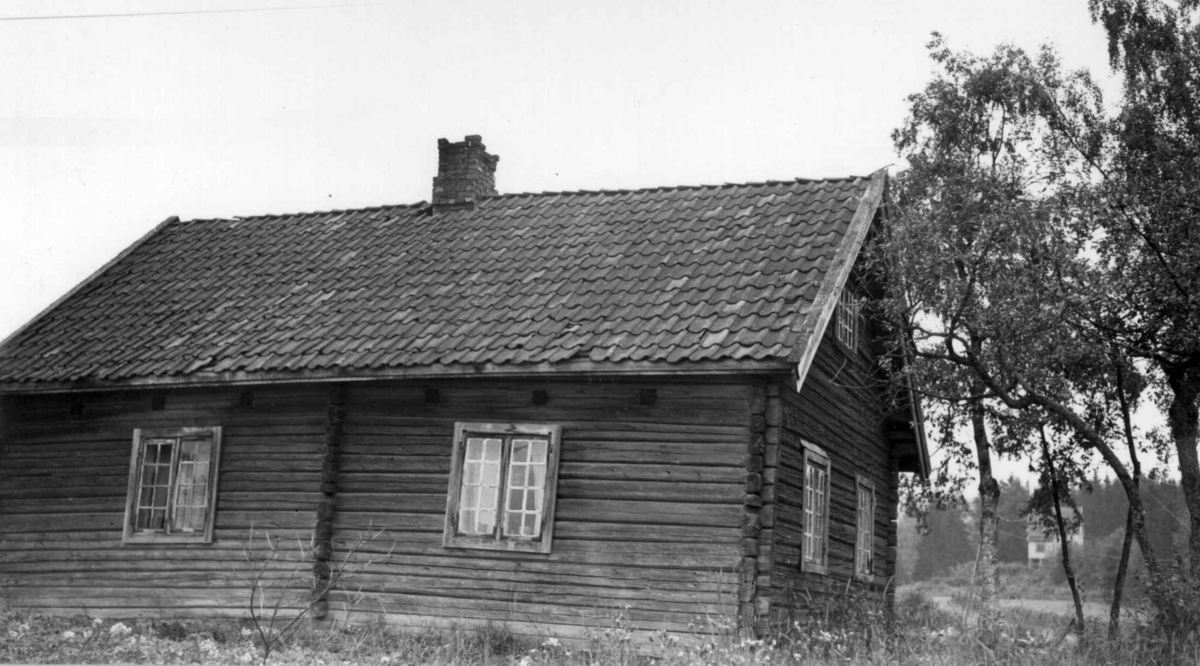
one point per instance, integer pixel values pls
(648, 507)
(839, 411)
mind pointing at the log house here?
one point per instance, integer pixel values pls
(547, 408)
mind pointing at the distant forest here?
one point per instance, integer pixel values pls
(949, 538)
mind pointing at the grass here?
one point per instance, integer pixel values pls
(921, 633)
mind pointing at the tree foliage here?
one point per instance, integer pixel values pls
(991, 263)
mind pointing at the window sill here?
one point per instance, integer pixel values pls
(170, 539)
(813, 567)
(469, 543)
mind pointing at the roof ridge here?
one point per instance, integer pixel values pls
(302, 213)
(605, 191)
(664, 188)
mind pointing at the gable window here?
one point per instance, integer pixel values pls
(846, 324)
(814, 548)
(172, 485)
(502, 486)
(864, 548)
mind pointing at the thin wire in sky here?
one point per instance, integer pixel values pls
(177, 13)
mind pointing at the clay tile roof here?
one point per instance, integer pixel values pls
(667, 275)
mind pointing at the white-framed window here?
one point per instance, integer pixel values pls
(864, 545)
(503, 481)
(814, 548)
(172, 485)
(847, 319)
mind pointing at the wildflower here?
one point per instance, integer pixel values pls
(525, 661)
(119, 629)
(13, 634)
(245, 657)
(246, 632)
(385, 659)
(551, 642)
(97, 622)
(68, 634)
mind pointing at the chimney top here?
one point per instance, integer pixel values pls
(466, 173)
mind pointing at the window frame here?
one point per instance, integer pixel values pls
(847, 320)
(498, 541)
(864, 537)
(814, 562)
(137, 453)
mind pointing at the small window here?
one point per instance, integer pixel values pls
(502, 486)
(172, 485)
(849, 310)
(864, 549)
(815, 546)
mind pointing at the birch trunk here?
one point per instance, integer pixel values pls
(989, 502)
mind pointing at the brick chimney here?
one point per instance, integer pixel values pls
(466, 173)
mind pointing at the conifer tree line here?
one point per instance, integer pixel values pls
(1042, 282)
(950, 536)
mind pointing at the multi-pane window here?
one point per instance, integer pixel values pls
(846, 322)
(864, 547)
(502, 486)
(172, 485)
(814, 548)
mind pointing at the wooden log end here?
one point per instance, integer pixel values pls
(754, 464)
(766, 515)
(771, 456)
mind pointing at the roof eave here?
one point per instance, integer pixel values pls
(88, 280)
(572, 368)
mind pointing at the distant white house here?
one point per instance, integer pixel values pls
(1043, 545)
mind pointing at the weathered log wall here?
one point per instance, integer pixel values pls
(840, 409)
(648, 513)
(648, 520)
(63, 484)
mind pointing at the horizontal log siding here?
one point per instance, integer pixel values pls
(648, 511)
(63, 483)
(840, 410)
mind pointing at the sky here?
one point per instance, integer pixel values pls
(137, 110)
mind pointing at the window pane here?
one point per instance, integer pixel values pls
(526, 482)
(512, 523)
(154, 484)
(191, 485)
(491, 474)
(486, 522)
(480, 486)
(472, 472)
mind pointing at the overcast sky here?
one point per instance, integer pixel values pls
(108, 125)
